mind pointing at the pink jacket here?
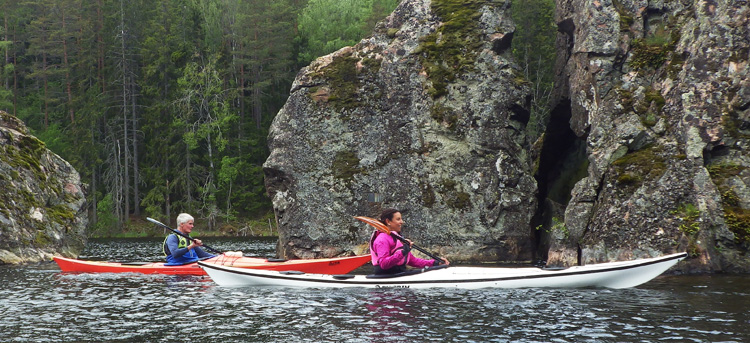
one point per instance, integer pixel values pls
(386, 252)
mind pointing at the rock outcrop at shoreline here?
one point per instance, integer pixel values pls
(42, 205)
(426, 115)
(658, 93)
(645, 153)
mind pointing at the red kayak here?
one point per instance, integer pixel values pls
(336, 265)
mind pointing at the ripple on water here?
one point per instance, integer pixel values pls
(48, 306)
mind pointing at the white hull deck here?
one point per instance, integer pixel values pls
(608, 275)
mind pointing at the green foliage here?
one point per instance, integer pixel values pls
(56, 140)
(534, 50)
(107, 220)
(720, 172)
(193, 81)
(558, 225)
(6, 73)
(329, 25)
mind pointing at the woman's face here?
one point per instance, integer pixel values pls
(395, 223)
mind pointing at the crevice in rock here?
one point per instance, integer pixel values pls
(500, 45)
(568, 28)
(562, 163)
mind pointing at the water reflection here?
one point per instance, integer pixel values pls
(393, 313)
(43, 305)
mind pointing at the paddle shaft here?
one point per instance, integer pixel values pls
(180, 234)
(384, 229)
(417, 248)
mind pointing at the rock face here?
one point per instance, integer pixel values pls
(42, 205)
(426, 116)
(659, 93)
(645, 153)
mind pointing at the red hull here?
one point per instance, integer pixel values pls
(337, 265)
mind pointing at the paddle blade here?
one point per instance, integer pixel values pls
(156, 221)
(375, 223)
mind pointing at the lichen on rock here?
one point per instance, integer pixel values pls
(659, 94)
(424, 116)
(42, 207)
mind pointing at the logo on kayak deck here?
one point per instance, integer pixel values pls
(333, 263)
(394, 286)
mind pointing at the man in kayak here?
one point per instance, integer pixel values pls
(389, 255)
(180, 250)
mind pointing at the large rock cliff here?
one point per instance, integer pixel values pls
(42, 203)
(645, 153)
(427, 115)
(656, 94)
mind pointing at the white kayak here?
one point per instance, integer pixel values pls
(609, 275)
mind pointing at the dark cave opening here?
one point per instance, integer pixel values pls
(562, 163)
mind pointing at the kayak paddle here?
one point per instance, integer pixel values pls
(384, 229)
(180, 233)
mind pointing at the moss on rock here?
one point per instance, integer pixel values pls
(345, 165)
(736, 217)
(345, 76)
(452, 49)
(636, 167)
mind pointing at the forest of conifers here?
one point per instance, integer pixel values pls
(163, 106)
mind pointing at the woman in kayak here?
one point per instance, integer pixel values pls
(178, 249)
(389, 255)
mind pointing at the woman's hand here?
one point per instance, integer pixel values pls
(406, 248)
(445, 262)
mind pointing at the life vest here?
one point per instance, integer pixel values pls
(393, 270)
(182, 242)
(189, 257)
(374, 254)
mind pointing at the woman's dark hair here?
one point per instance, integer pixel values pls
(388, 214)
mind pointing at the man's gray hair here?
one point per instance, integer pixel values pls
(183, 218)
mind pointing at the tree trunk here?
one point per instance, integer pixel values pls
(15, 76)
(100, 50)
(125, 133)
(46, 95)
(7, 53)
(134, 131)
(257, 102)
(67, 67)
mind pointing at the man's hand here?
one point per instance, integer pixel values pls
(195, 243)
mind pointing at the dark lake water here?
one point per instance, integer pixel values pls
(41, 304)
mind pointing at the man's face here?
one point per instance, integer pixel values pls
(187, 226)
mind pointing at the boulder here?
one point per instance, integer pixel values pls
(428, 116)
(42, 206)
